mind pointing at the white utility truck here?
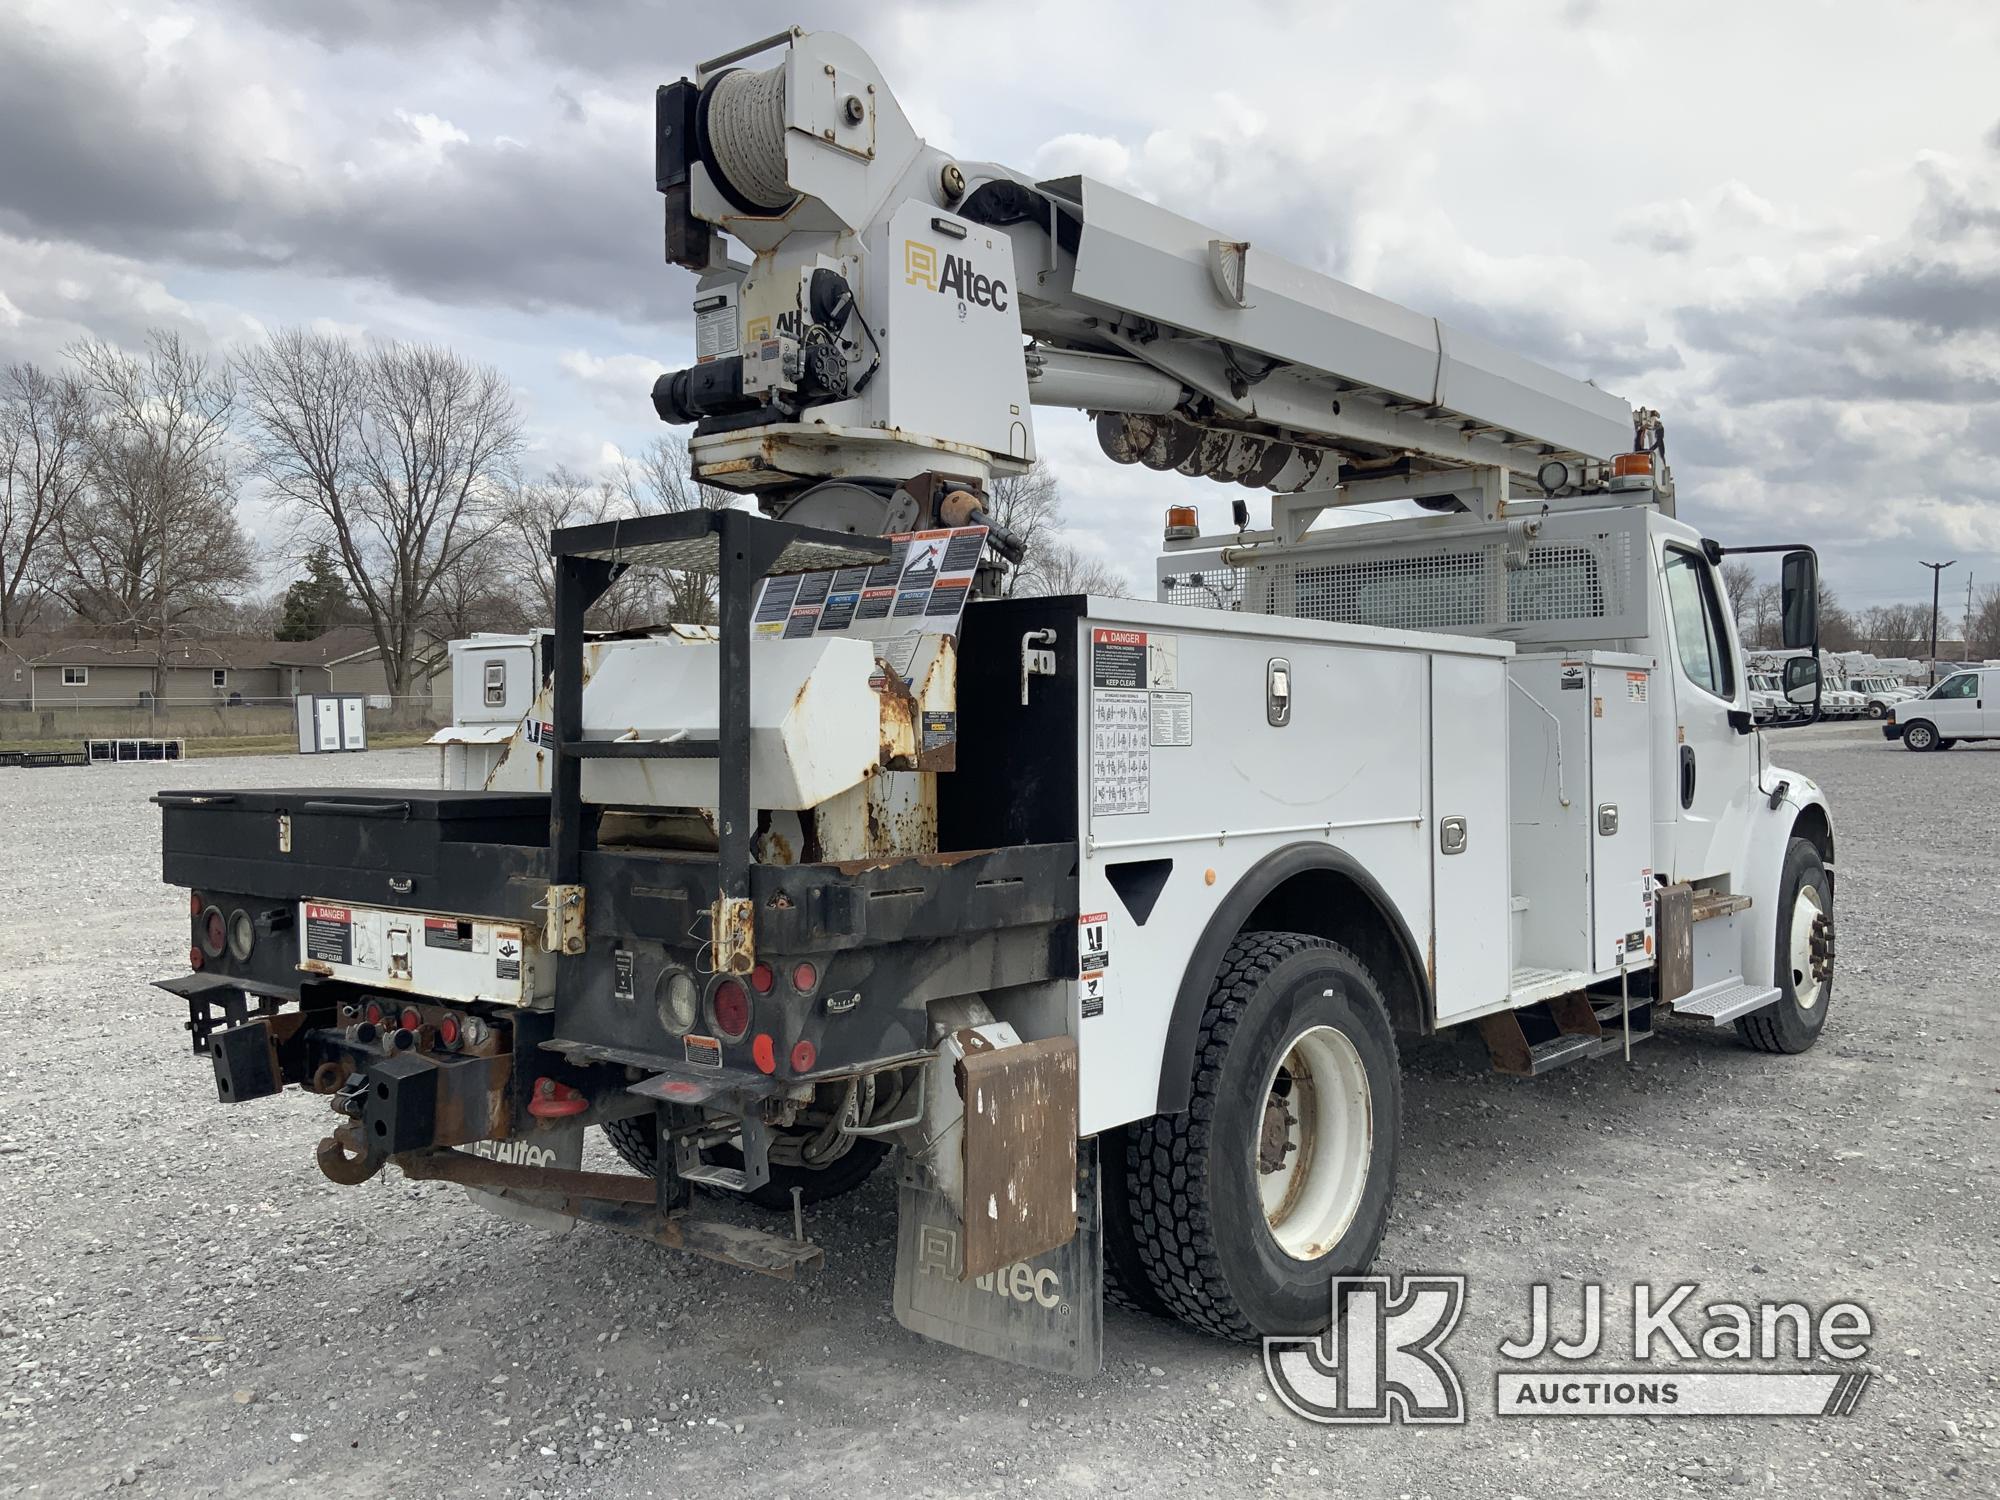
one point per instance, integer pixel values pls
(1102, 918)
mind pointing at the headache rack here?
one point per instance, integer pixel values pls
(740, 550)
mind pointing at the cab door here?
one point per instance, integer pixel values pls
(1955, 707)
(1711, 775)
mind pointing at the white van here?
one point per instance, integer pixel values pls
(1965, 706)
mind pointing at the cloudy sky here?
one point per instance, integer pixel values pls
(1778, 222)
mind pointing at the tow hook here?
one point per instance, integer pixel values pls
(342, 1161)
(555, 1101)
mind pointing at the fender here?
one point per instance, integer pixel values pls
(1232, 914)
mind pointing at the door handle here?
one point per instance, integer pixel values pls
(1687, 776)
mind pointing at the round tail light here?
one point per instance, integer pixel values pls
(194, 958)
(374, 1013)
(214, 932)
(194, 903)
(448, 1032)
(242, 935)
(729, 1007)
(804, 977)
(411, 1020)
(677, 1000)
(804, 1055)
(762, 978)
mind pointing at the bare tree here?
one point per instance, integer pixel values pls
(153, 538)
(534, 508)
(44, 462)
(661, 480)
(397, 454)
(1065, 569)
(1983, 632)
(1739, 581)
(1030, 507)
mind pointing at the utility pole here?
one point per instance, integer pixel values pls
(1965, 645)
(1937, 571)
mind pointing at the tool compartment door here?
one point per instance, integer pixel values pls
(1621, 814)
(1470, 911)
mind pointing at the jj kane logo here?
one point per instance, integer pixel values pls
(953, 277)
(1381, 1359)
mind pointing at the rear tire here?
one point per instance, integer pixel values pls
(1793, 1021)
(637, 1141)
(1281, 1173)
(1877, 711)
(1920, 735)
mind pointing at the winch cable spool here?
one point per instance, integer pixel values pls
(742, 124)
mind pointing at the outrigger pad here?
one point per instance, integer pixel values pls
(1046, 1312)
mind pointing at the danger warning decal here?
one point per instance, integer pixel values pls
(329, 934)
(1117, 658)
(1093, 960)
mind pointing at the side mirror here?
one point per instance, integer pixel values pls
(1801, 676)
(1799, 591)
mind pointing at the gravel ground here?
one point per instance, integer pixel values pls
(188, 1307)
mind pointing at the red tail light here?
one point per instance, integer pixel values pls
(374, 1012)
(194, 958)
(448, 1032)
(804, 977)
(804, 1055)
(214, 932)
(194, 903)
(730, 1008)
(411, 1020)
(764, 1053)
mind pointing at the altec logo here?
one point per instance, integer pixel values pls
(955, 278)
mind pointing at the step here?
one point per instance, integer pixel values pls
(1558, 1050)
(730, 1179)
(1709, 905)
(1526, 986)
(1724, 1002)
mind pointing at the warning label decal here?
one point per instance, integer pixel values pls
(1117, 658)
(1121, 756)
(329, 934)
(1093, 960)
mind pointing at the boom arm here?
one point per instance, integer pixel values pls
(902, 311)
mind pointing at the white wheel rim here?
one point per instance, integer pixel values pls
(1317, 1109)
(1920, 736)
(1805, 914)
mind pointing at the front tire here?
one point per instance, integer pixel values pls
(1793, 1021)
(1920, 736)
(1877, 711)
(1281, 1173)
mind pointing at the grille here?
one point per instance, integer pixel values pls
(1208, 588)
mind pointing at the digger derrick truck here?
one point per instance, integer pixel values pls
(1101, 920)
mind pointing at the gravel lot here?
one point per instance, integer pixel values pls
(188, 1307)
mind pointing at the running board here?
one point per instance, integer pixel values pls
(1583, 1030)
(1724, 1002)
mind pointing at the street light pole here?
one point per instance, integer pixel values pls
(1937, 571)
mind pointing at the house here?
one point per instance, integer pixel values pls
(42, 672)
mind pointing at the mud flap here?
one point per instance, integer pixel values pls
(1046, 1312)
(546, 1148)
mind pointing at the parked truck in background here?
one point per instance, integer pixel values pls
(1102, 920)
